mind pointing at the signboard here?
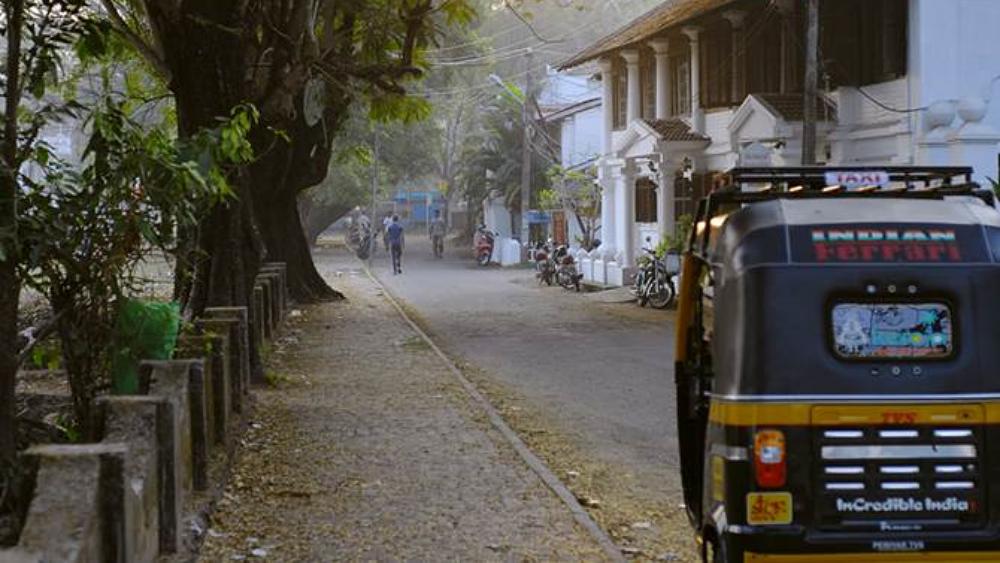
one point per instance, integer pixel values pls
(893, 243)
(857, 179)
(535, 216)
(902, 505)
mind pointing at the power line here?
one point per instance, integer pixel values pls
(529, 26)
(859, 89)
(476, 41)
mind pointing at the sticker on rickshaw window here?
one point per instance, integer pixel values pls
(892, 330)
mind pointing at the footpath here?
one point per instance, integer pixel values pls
(366, 446)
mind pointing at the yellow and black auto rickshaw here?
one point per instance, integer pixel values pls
(838, 367)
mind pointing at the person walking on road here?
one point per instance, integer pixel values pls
(385, 230)
(437, 229)
(394, 236)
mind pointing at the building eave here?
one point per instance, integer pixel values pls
(669, 14)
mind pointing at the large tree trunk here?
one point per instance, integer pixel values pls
(9, 294)
(207, 80)
(9, 283)
(279, 176)
(281, 230)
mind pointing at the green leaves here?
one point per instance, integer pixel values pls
(394, 107)
(234, 134)
(459, 12)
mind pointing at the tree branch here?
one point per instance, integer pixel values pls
(148, 52)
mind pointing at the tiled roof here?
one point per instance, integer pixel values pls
(790, 106)
(669, 13)
(674, 130)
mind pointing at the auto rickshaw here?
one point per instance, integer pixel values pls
(838, 367)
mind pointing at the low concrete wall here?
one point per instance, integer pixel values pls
(121, 500)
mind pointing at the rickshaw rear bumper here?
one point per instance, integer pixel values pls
(948, 556)
(979, 545)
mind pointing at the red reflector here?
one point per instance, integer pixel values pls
(769, 461)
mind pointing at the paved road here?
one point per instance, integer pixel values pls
(600, 372)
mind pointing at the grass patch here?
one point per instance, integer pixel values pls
(274, 378)
(415, 344)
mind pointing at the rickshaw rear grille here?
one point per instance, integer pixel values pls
(899, 478)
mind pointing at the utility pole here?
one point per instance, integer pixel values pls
(374, 223)
(526, 153)
(811, 89)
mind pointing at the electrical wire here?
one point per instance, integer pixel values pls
(530, 27)
(860, 89)
(476, 41)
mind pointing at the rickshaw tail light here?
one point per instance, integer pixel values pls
(769, 459)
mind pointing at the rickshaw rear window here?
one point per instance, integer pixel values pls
(892, 330)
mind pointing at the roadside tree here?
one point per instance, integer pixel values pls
(302, 64)
(577, 192)
(35, 32)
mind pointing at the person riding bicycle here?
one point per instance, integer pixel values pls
(437, 230)
(394, 234)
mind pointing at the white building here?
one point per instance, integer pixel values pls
(575, 120)
(694, 86)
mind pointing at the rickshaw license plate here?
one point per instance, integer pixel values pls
(769, 509)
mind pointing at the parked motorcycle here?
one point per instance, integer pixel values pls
(654, 283)
(483, 243)
(566, 274)
(545, 266)
(359, 239)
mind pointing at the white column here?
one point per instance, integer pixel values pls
(696, 117)
(606, 172)
(735, 19)
(607, 104)
(665, 197)
(661, 49)
(634, 106)
(607, 232)
(625, 204)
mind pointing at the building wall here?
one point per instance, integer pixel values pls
(587, 129)
(954, 51)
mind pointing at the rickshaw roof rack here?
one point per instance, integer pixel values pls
(925, 182)
(816, 176)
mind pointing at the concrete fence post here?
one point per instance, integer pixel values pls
(267, 306)
(135, 420)
(277, 301)
(259, 326)
(214, 349)
(239, 340)
(282, 270)
(239, 358)
(79, 511)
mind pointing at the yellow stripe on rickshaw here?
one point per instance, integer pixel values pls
(731, 413)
